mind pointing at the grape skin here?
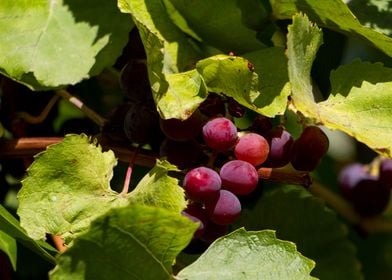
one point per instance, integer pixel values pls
(184, 154)
(225, 209)
(386, 173)
(239, 177)
(220, 134)
(202, 184)
(180, 130)
(281, 143)
(309, 148)
(197, 213)
(252, 148)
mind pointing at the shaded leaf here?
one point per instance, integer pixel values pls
(8, 246)
(135, 242)
(299, 217)
(249, 255)
(335, 15)
(47, 44)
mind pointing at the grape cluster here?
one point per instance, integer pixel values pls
(368, 190)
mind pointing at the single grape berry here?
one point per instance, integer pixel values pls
(261, 125)
(386, 173)
(252, 148)
(180, 130)
(369, 197)
(239, 177)
(202, 184)
(350, 176)
(197, 213)
(225, 209)
(220, 134)
(309, 148)
(280, 143)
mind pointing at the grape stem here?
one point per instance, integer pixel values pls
(91, 114)
(128, 176)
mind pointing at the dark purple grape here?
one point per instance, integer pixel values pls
(197, 213)
(239, 177)
(386, 172)
(368, 196)
(202, 184)
(114, 127)
(349, 177)
(213, 106)
(261, 125)
(225, 209)
(184, 154)
(280, 143)
(141, 123)
(220, 134)
(180, 130)
(309, 148)
(235, 109)
(252, 148)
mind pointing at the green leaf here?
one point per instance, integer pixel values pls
(219, 24)
(10, 226)
(8, 246)
(374, 14)
(274, 87)
(299, 217)
(47, 44)
(361, 92)
(249, 255)
(67, 187)
(169, 51)
(135, 242)
(335, 15)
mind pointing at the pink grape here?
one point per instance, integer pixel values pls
(202, 184)
(281, 144)
(225, 209)
(220, 134)
(197, 213)
(239, 177)
(252, 148)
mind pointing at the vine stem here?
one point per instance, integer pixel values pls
(95, 117)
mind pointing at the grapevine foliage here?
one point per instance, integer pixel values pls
(221, 83)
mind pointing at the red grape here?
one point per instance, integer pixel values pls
(309, 148)
(202, 184)
(213, 106)
(184, 154)
(280, 144)
(239, 177)
(252, 148)
(225, 209)
(220, 134)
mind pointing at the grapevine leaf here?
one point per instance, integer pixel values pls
(169, 52)
(271, 66)
(219, 24)
(67, 187)
(10, 226)
(375, 14)
(335, 15)
(135, 242)
(55, 43)
(159, 190)
(299, 217)
(249, 255)
(361, 92)
(8, 246)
